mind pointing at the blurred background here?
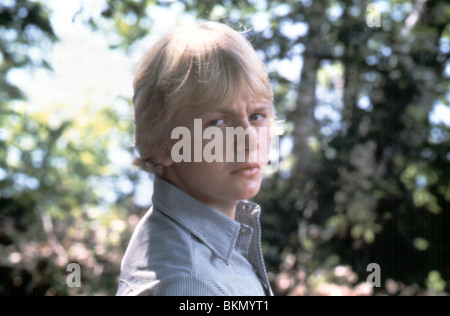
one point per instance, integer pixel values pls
(365, 160)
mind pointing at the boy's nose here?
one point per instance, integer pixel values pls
(249, 142)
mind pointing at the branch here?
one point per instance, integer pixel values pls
(61, 254)
(414, 17)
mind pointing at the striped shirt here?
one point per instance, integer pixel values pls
(184, 247)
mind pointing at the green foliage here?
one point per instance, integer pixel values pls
(53, 205)
(24, 31)
(61, 198)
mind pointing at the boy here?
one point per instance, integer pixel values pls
(202, 236)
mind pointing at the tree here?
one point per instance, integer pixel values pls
(24, 29)
(55, 169)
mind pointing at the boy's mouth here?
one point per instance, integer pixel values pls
(247, 169)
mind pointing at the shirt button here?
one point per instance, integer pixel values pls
(247, 208)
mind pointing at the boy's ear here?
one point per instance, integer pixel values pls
(166, 159)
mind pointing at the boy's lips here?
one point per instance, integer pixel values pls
(247, 169)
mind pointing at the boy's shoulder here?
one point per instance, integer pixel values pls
(157, 240)
(160, 255)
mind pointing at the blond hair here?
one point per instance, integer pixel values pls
(206, 64)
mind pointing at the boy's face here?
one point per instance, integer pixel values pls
(223, 182)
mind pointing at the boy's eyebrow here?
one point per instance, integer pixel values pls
(226, 110)
(261, 108)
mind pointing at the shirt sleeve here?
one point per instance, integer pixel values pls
(185, 284)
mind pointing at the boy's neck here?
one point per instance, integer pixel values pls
(226, 207)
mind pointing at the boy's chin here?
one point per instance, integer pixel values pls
(248, 191)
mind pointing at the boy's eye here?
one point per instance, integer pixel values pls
(258, 117)
(216, 122)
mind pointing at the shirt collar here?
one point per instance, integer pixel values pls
(216, 230)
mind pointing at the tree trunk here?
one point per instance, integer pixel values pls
(302, 116)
